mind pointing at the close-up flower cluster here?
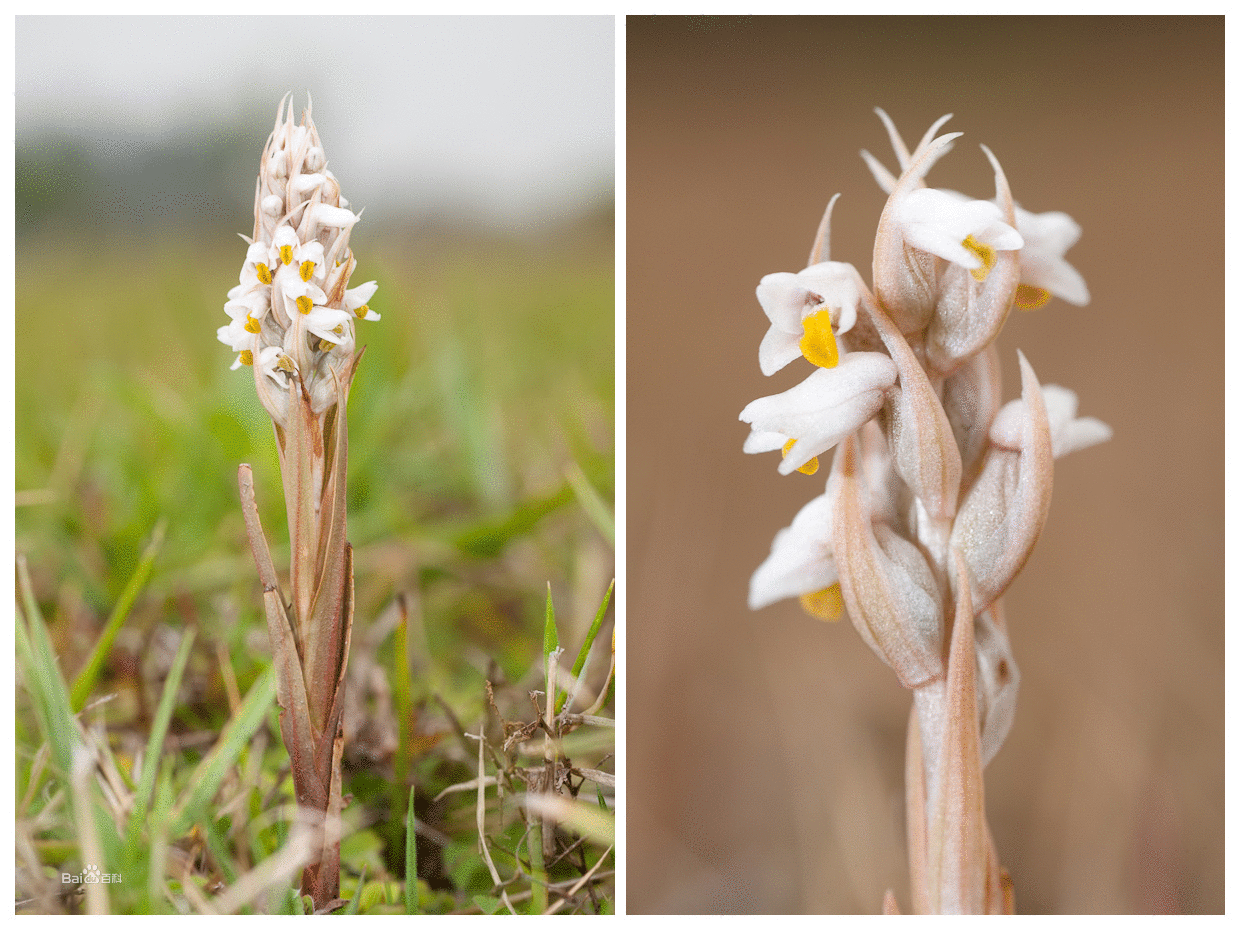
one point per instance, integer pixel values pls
(938, 491)
(293, 310)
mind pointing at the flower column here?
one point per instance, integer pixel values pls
(292, 322)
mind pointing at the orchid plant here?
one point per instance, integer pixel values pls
(292, 317)
(937, 492)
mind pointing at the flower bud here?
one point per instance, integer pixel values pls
(918, 432)
(975, 297)
(1003, 513)
(971, 400)
(888, 587)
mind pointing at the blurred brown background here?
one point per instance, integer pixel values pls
(765, 750)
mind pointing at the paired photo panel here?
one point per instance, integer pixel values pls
(618, 465)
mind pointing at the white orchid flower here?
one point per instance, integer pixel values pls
(1047, 236)
(1043, 269)
(966, 233)
(802, 564)
(807, 311)
(1069, 432)
(812, 417)
(356, 298)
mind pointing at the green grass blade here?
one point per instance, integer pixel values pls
(51, 695)
(538, 872)
(159, 729)
(486, 539)
(585, 647)
(592, 503)
(551, 642)
(402, 697)
(411, 859)
(355, 902)
(89, 675)
(207, 778)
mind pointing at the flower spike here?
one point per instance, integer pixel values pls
(292, 320)
(937, 491)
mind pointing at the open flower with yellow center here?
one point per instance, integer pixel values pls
(308, 260)
(256, 271)
(240, 339)
(276, 365)
(807, 310)
(356, 300)
(802, 564)
(254, 304)
(966, 233)
(1043, 269)
(812, 417)
(1047, 236)
(331, 325)
(283, 244)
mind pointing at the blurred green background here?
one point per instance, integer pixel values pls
(481, 419)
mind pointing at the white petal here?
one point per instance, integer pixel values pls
(1055, 275)
(858, 373)
(1080, 434)
(777, 349)
(1053, 231)
(1068, 433)
(801, 559)
(830, 428)
(327, 215)
(322, 321)
(354, 297)
(758, 441)
(783, 300)
(835, 283)
(938, 222)
(825, 407)
(1047, 237)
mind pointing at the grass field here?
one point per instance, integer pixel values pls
(480, 494)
